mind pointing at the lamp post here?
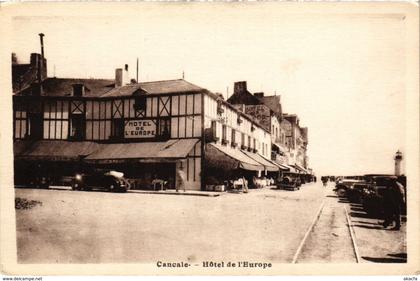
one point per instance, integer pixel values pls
(398, 158)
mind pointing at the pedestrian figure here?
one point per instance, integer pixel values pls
(180, 179)
(393, 198)
(324, 180)
(244, 185)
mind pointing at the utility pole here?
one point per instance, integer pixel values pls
(137, 71)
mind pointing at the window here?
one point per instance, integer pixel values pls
(164, 128)
(243, 141)
(77, 126)
(249, 141)
(117, 129)
(272, 129)
(35, 126)
(255, 144)
(233, 136)
(214, 128)
(140, 103)
(224, 132)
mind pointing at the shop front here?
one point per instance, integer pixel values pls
(151, 165)
(47, 162)
(225, 165)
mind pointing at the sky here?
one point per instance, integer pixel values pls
(342, 74)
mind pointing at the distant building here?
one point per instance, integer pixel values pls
(288, 139)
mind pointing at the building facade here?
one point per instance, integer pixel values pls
(149, 130)
(288, 140)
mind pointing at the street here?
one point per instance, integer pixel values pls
(265, 225)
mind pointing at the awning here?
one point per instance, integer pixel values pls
(283, 167)
(300, 168)
(146, 152)
(268, 165)
(290, 168)
(53, 150)
(241, 159)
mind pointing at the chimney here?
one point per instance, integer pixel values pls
(78, 90)
(126, 76)
(118, 77)
(41, 39)
(42, 69)
(259, 94)
(35, 60)
(239, 87)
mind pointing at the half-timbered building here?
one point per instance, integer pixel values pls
(147, 130)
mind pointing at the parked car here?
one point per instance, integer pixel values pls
(110, 181)
(346, 186)
(290, 181)
(373, 194)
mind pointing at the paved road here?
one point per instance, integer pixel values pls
(99, 227)
(264, 225)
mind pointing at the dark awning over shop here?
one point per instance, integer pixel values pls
(217, 155)
(53, 150)
(300, 168)
(148, 152)
(283, 167)
(268, 165)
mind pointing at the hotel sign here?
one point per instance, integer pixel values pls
(140, 129)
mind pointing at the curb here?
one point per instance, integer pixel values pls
(174, 193)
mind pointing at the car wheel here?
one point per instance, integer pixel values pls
(341, 192)
(111, 188)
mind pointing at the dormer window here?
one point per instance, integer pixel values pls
(140, 103)
(78, 90)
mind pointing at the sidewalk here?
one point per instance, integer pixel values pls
(181, 192)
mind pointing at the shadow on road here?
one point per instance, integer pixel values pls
(362, 215)
(386, 260)
(366, 222)
(367, 226)
(400, 255)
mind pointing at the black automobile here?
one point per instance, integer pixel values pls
(345, 186)
(373, 194)
(290, 181)
(109, 181)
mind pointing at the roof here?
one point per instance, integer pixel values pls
(155, 87)
(64, 86)
(273, 102)
(149, 151)
(53, 149)
(22, 76)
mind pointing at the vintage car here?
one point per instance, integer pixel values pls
(372, 197)
(289, 181)
(346, 185)
(109, 181)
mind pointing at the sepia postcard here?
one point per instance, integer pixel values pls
(210, 138)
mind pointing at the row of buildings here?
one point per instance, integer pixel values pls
(148, 130)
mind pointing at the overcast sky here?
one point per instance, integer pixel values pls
(342, 74)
